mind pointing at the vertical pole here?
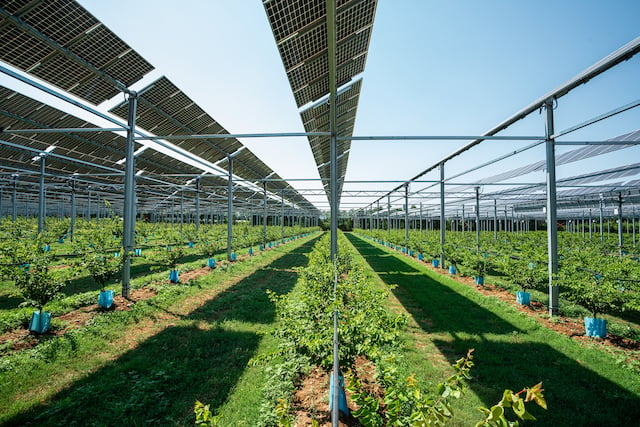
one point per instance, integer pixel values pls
(552, 222)
(282, 215)
(495, 220)
(601, 218)
(264, 214)
(463, 220)
(590, 224)
(420, 217)
(89, 205)
(620, 241)
(73, 209)
(406, 218)
(633, 224)
(388, 215)
(230, 210)
(197, 204)
(477, 188)
(181, 208)
(129, 213)
(41, 194)
(442, 218)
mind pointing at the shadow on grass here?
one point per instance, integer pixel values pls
(505, 356)
(158, 381)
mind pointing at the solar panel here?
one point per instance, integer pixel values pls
(87, 152)
(164, 110)
(63, 44)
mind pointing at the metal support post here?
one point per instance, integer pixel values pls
(388, 215)
(620, 238)
(495, 220)
(601, 218)
(282, 215)
(552, 222)
(442, 218)
(463, 220)
(41, 200)
(129, 214)
(264, 214)
(477, 189)
(590, 224)
(406, 217)
(230, 210)
(73, 209)
(181, 209)
(420, 217)
(197, 204)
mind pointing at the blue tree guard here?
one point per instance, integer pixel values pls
(523, 298)
(479, 280)
(595, 327)
(342, 396)
(452, 269)
(105, 299)
(212, 263)
(435, 262)
(233, 257)
(40, 322)
(173, 276)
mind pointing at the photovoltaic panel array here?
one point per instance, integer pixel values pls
(164, 110)
(300, 31)
(61, 43)
(84, 153)
(316, 119)
(575, 155)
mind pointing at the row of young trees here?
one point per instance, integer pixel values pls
(591, 273)
(42, 264)
(369, 331)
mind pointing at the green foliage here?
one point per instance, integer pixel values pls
(95, 249)
(496, 416)
(32, 274)
(204, 417)
(525, 267)
(475, 263)
(173, 252)
(595, 291)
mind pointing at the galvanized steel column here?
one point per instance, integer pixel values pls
(443, 226)
(264, 214)
(406, 217)
(73, 209)
(477, 189)
(601, 218)
(620, 241)
(197, 204)
(230, 210)
(552, 221)
(41, 194)
(282, 215)
(388, 215)
(495, 220)
(129, 214)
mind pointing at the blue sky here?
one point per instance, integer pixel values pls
(434, 68)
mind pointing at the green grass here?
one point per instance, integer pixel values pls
(150, 364)
(583, 386)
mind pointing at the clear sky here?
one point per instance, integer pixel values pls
(434, 68)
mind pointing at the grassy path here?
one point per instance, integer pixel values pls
(583, 386)
(148, 365)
